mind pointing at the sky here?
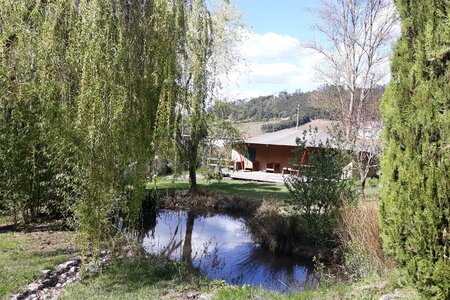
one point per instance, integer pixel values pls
(273, 60)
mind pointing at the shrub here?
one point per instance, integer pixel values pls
(274, 231)
(289, 123)
(210, 173)
(318, 190)
(415, 165)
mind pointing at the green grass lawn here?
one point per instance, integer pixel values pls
(24, 255)
(243, 189)
(140, 278)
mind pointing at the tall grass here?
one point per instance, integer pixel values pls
(358, 234)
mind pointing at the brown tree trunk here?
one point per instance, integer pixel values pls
(362, 188)
(192, 156)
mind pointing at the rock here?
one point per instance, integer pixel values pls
(103, 253)
(191, 295)
(58, 285)
(51, 281)
(45, 272)
(395, 295)
(72, 270)
(64, 266)
(33, 287)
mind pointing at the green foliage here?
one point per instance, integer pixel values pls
(291, 122)
(276, 232)
(210, 173)
(202, 50)
(83, 85)
(283, 105)
(318, 190)
(415, 163)
(357, 264)
(317, 104)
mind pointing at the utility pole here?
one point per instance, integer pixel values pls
(298, 112)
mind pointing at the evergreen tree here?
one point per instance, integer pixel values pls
(416, 160)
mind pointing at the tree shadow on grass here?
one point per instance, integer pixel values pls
(132, 274)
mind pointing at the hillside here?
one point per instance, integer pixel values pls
(280, 111)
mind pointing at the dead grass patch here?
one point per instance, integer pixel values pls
(359, 237)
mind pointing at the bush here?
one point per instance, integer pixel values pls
(318, 191)
(275, 232)
(210, 173)
(415, 165)
(289, 123)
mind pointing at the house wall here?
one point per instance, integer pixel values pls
(272, 153)
(284, 156)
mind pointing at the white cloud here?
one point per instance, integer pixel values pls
(270, 46)
(272, 63)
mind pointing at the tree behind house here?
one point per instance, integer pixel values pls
(359, 36)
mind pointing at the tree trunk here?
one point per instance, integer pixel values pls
(192, 155)
(362, 188)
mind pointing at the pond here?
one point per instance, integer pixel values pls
(221, 247)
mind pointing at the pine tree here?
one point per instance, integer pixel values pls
(416, 160)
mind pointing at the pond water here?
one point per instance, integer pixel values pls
(221, 247)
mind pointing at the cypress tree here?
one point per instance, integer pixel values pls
(416, 158)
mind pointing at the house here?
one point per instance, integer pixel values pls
(273, 152)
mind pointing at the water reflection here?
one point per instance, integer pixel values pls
(220, 246)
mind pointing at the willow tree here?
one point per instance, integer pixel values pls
(37, 152)
(206, 45)
(82, 85)
(416, 159)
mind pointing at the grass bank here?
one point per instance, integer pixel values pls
(142, 278)
(160, 278)
(23, 255)
(228, 187)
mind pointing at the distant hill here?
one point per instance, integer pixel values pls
(318, 104)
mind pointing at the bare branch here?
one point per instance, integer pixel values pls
(359, 36)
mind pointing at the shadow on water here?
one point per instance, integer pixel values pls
(221, 247)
